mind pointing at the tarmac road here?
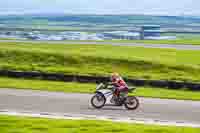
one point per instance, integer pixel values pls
(53, 102)
(169, 46)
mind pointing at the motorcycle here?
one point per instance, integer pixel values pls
(103, 91)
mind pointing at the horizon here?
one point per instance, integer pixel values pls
(146, 7)
(98, 14)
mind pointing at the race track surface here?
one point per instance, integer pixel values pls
(53, 102)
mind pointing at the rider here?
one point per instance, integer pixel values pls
(120, 84)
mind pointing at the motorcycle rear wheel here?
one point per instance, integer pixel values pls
(131, 103)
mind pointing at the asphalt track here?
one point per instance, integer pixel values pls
(178, 111)
(168, 46)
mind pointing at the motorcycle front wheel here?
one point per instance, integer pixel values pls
(98, 100)
(131, 103)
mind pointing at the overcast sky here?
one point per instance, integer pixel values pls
(167, 7)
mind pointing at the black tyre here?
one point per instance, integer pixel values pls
(131, 103)
(98, 100)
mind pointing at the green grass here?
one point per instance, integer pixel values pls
(74, 87)
(8, 39)
(44, 85)
(183, 41)
(132, 62)
(14, 124)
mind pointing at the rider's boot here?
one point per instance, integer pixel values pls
(112, 100)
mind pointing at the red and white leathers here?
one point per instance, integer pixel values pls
(120, 84)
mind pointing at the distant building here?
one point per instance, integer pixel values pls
(149, 31)
(122, 35)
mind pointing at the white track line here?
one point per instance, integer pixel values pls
(93, 117)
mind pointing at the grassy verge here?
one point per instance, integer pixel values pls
(13, 124)
(9, 39)
(132, 62)
(176, 41)
(183, 41)
(90, 88)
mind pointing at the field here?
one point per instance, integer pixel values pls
(8, 38)
(132, 62)
(73, 87)
(182, 41)
(12, 124)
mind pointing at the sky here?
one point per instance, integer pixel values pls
(159, 7)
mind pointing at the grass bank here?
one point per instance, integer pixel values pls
(90, 88)
(15, 124)
(131, 62)
(182, 40)
(9, 39)
(176, 41)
